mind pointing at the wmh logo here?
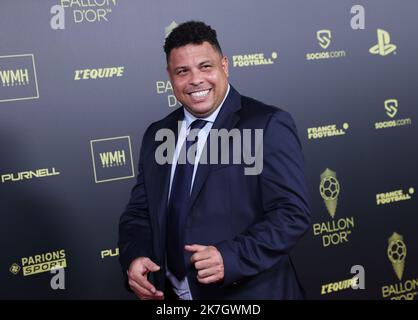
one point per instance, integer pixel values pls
(18, 78)
(112, 159)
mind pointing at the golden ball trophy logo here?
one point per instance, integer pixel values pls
(404, 289)
(397, 253)
(332, 231)
(329, 189)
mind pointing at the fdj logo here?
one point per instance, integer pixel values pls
(383, 46)
(324, 38)
(391, 106)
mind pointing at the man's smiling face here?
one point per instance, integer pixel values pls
(199, 76)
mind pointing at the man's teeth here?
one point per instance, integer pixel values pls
(200, 93)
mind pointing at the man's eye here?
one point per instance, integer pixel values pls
(181, 72)
(206, 66)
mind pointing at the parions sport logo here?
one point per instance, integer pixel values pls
(40, 263)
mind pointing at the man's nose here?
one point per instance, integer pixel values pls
(196, 78)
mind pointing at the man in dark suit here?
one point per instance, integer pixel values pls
(196, 230)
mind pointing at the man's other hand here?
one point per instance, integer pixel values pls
(138, 279)
(208, 262)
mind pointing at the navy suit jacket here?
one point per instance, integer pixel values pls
(253, 220)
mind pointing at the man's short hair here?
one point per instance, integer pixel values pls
(191, 32)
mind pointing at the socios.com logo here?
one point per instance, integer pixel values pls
(324, 38)
(391, 106)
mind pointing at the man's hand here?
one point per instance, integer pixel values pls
(208, 262)
(137, 278)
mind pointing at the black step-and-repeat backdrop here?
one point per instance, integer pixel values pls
(80, 80)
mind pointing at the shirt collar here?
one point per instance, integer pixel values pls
(189, 118)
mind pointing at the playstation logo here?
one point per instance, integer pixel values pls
(383, 46)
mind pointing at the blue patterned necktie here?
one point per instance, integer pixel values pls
(178, 205)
